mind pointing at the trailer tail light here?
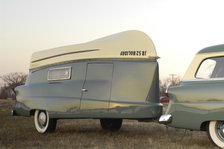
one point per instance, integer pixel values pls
(164, 99)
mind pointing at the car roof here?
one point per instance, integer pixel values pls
(211, 49)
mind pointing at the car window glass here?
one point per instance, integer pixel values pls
(211, 68)
(206, 69)
(219, 68)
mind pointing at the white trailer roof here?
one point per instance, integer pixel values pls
(125, 45)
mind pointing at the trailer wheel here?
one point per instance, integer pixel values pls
(215, 132)
(111, 124)
(43, 123)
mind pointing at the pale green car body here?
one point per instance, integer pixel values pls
(200, 98)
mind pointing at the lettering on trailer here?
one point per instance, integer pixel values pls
(133, 53)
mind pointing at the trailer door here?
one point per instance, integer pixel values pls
(97, 87)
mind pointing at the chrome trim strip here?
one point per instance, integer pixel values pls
(202, 80)
(83, 51)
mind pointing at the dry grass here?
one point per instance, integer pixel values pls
(19, 132)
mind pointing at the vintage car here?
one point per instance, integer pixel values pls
(110, 79)
(198, 103)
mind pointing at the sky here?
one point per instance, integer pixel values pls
(178, 28)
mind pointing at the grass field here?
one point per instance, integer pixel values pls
(19, 132)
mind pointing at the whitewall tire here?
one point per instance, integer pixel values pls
(216, 132)
(43, 123)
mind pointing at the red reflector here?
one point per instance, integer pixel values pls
(164, 99)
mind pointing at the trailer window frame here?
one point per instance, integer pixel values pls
(66, 71)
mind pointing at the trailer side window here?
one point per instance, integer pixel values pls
(60, 73)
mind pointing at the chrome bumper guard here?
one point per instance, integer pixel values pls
(165, 119)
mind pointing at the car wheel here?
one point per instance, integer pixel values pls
(215, 132)
(43, 123)
(111, 124)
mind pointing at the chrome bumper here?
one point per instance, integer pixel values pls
(165, 119)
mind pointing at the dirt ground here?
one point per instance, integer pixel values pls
(19, 132)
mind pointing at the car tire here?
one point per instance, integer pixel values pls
(111, 124)
(43, 123)
(215, 132)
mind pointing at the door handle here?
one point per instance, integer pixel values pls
(84, 90)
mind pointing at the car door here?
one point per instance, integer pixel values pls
(97, 87)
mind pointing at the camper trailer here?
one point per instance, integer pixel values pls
(116, 78)
(110, 79)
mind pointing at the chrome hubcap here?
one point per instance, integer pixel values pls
(42, 119)
(220, 129)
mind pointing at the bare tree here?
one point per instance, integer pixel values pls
(3, 92)
(172, 80)
(11, 81)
